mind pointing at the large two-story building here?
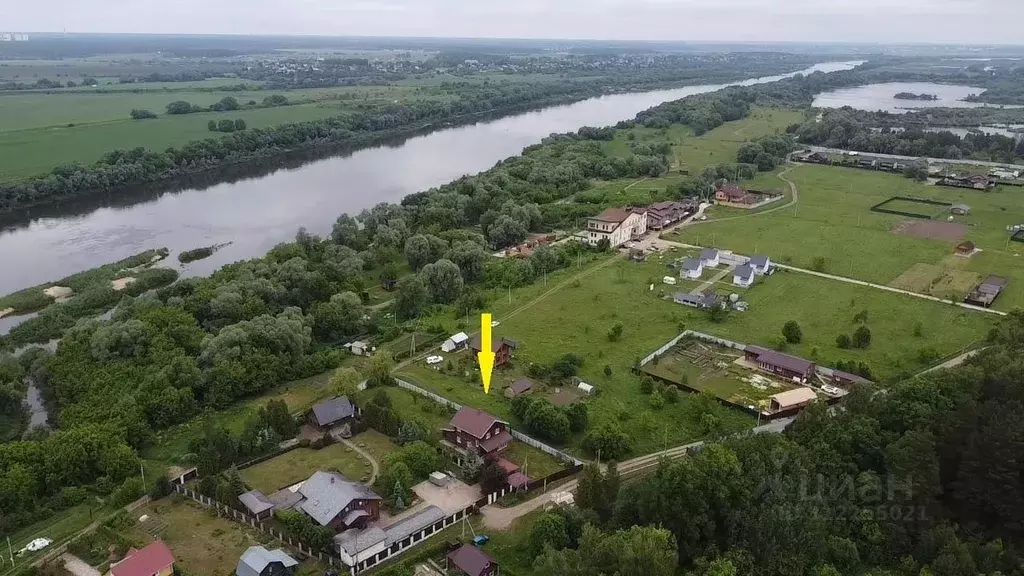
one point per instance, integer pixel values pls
(473, 431)
(617, 225)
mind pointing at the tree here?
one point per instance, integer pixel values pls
(470, 258)
(339, 317)
(141, 114)
(843, 341)
(646, 384)
(718, 314)
(506, 231)
(443, 280)
(423, 249)
(345, 382)
(180, 107)
(607, 371)
(818, 264)
(791, 331)
(161, 487)
(672, 394)
(379, 372)
(591, 493)
(578, 417)
(211, 125)
(657, 401)
(226, 125)
(862, 337)
(411, 296)
(492, 477)
(548, 531)
(239, 125)
(279, 418)
(609, 441)
(615, 333)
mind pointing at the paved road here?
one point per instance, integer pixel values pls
(498, 518)
(930, 160)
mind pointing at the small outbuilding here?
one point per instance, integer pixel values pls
(792, 399)
(960, 209)
(257, 504)
(585, 388)
(332, 412)
(470, 561)
(521, 387)
(966, 248)
(456, 342)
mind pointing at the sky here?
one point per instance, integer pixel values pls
(890, 21)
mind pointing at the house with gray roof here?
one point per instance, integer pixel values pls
(779, 364)
(760, 263)
(709, 256)
(257, 504)
(258, 561)
(704, 301)
(332, 412)
(743, 276)
(332, 500)
(691, 268)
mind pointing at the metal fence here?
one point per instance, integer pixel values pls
(692, 334)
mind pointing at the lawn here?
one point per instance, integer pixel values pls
(296, 465)
(202, 543)
(412, 406)
(538, 464)
(833, 222)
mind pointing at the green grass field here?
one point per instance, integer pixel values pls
(39, 131)
(833, 221)
(298, 464)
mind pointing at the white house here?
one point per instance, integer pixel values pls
(691, 268)
(618, 225)
(760, 263)
(359, 348)
(743, 276)
(456, 342)
(585, 388)
(709, 256)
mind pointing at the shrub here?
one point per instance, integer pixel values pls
(657, 401)
(672, 394)
(818, 264)
(843, 341)
(139, 114)
(862, 337)
(646, 384)
(791, 330)
(615, 334)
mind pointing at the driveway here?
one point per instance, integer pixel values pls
(77, 566)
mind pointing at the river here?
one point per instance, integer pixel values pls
(872, 97)
(256, 214)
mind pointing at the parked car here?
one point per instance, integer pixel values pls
(435, 359)
(481, 540)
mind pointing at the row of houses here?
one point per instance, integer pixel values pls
(156, 559)
(743, 275)
(852, 160)
(620, 225)
(739, 197)
(973, 181)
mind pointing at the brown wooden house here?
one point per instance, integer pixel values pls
(470, 561)
(779, 364)
(475, 431)
(502, 348)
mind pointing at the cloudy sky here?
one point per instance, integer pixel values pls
(945, 21)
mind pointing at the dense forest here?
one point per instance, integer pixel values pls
(843, 129)
(924, 479)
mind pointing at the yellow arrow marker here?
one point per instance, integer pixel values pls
(486, 354)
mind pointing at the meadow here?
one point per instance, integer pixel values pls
(39, 131)
(833, 222)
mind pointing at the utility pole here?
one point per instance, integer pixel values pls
(142, 472)
(10, 551)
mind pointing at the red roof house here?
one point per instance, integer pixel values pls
(730, 193)
(153, 560)
(472, 430)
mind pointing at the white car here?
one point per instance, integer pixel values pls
(495, 323)
(434, 359)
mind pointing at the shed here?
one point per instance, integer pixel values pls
(456, 342)
(521, 387)
(257, 504)
(965, 248)
(359, 348)
(471, 561)
(791, 399)
(585, 388)
(153, 560)
(960, 209)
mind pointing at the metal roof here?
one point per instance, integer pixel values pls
(794, 397)
(692, 264)
(333, 410)
(472, 421)
(355, 541)
(471, 560)
(759, 261)
(708, 254)
(745, 272)
(408, 526)
(256, 558)
(521, 385)
(328, 493)
(255, 501)
(781, 360)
